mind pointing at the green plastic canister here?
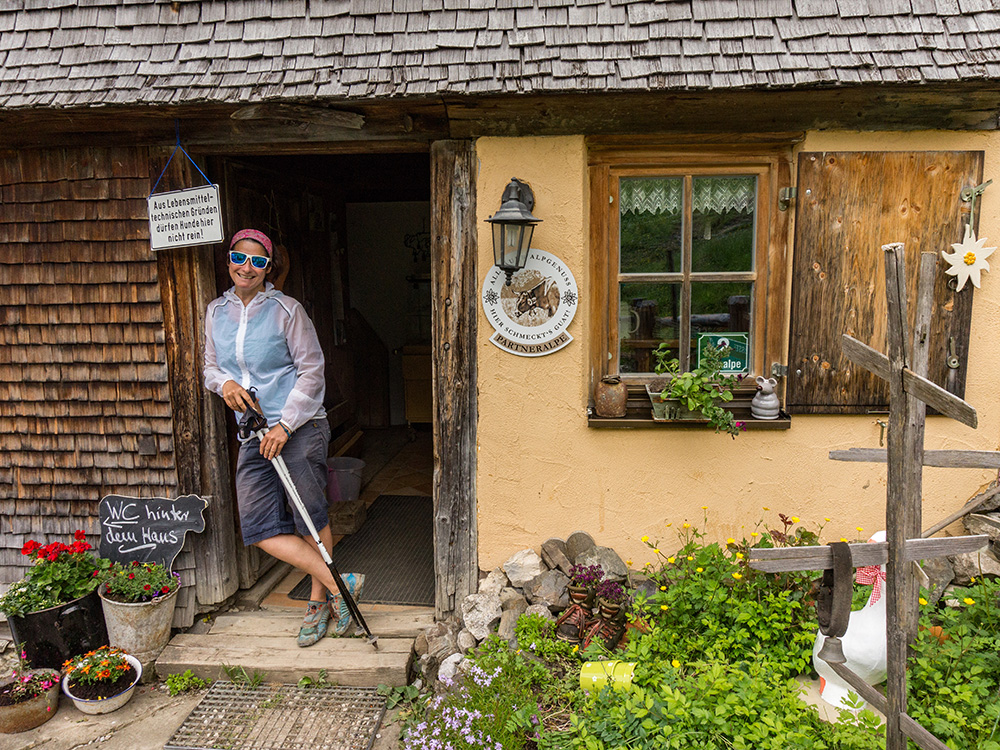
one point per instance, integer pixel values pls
(596, 674)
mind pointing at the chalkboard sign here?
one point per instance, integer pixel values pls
(149, 529)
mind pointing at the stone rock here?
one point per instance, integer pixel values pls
(578, 543)
(612, 565)
(990, 505)
(420, 644)
(505, 630)
(540, 609)
(449, 668)
(983, 523)
(940, 574)
(509, 596)
(523, 566)
(442, 644)
(427, 666)
(554, 555)
(975, 564)
(644, 585)
(480, 612)
(466, 641)
(494, 583)
(514, 604)
(549, 589)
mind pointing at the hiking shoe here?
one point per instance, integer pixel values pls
(355, 583)
(315, 623)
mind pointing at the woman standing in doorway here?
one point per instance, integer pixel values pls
(257, 337)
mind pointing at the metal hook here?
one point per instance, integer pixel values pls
(881, 435)
(969, 194)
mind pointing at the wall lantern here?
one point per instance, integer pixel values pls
(513, 226)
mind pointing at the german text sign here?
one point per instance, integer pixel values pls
(185, 217)
(148, 529)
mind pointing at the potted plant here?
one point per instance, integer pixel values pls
(138, 601)
(696, 393)
(583, 579)
(28, 699)
(102, 680)
(54, 611)
(610, 599)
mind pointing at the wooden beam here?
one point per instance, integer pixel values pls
(330, 118)
(454, 303)
(942, 459)
(938, 398)
(864, 356)
(786, 559)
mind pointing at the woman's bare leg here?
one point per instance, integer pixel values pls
(304, 555)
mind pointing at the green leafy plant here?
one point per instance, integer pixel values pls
(319, 681)
(396, 695)
(139, 582)
(23, 685)
(183, 682)
(241, 678)
(59, 574)
(701, 389)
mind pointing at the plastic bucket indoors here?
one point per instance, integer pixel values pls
(344, 480)
(596, 674)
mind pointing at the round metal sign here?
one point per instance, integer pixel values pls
(532, 314)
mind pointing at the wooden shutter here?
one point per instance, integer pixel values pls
(848, 206)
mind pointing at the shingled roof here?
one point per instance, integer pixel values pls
(70, 53)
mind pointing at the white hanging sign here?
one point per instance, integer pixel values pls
(530, 317)
(182, 218)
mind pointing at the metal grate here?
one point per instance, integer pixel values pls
(281, 717)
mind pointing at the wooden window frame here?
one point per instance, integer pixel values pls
(769, 158)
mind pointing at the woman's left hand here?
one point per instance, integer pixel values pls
(273, 442)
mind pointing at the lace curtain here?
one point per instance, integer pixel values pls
(659, 195)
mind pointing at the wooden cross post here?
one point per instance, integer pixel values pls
(909, 394)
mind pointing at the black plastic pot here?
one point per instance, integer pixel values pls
(50, 636)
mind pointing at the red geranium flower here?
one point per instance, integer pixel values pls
(30, 546)
(147, 587)
(79, 535)
(131, 575)
(165, 590)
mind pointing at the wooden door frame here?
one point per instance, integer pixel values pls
(454, 308)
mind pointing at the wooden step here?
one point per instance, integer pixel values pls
(265, 642)
(347, 661)
(384, 624)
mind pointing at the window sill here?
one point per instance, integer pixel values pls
(639, 414)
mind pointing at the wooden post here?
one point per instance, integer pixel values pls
(455, 297)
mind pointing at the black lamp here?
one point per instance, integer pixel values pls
(513, 226)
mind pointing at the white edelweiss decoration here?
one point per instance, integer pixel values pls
(969, 259)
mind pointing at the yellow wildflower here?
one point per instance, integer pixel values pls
(687, 525)
(827, 520)
(922, 601)
(843, 539)
(704, 507)
(628, 563)
(690, 557)
(730, 540)
(699, 570)
(675, 664)
(739, 555)
(969, 601)
(663, 588)
(754, 534)
(671, 559)
(656, 551)
(766, 508)
(737, 576)
(644, 538)
(663, 607)
(795, 519)
(575, 649)
(972, 580)
(859, 528)
(670, 524)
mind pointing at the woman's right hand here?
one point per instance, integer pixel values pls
(235, 396)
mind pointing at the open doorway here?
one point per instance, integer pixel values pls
(355, 229)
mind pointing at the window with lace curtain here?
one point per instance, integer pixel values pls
(687, 242)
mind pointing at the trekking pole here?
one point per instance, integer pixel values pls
(253, 423)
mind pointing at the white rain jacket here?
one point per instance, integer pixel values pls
(271, 345)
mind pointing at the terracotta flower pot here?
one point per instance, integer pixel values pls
(20, 717)
(111, 703)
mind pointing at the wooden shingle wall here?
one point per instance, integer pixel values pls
(84, 397)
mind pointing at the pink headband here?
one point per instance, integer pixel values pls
(252, 234)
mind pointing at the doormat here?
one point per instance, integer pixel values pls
(394, 548)
(282, 717)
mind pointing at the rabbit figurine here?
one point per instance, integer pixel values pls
(765, 404)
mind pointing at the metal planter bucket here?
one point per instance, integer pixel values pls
(50, 636)
(596, 674)
(141, 629)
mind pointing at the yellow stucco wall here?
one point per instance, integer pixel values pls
(543, 473)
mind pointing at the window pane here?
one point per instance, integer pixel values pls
(648, 315)
(651, 211)
(715, 307)
(723, 223)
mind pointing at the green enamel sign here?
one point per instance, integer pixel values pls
(738, 359)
